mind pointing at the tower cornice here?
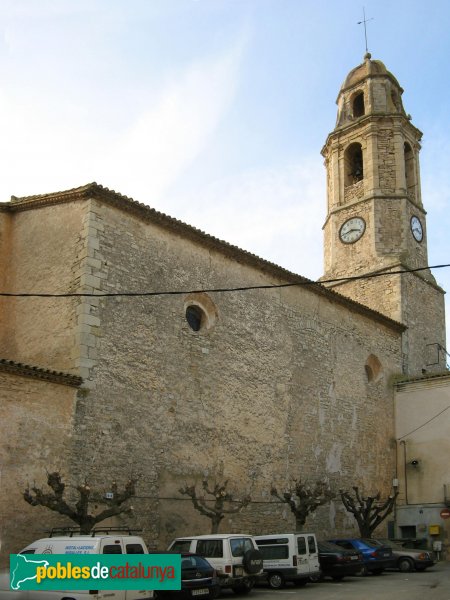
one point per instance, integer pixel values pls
(369, 198)
(397, 121)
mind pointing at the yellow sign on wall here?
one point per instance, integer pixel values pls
(434, 529)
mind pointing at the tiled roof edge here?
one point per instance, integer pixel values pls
(11, 366)
(412, 383)
(97, 191)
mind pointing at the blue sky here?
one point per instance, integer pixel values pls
(214, 111)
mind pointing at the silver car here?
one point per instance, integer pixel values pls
(408, 559)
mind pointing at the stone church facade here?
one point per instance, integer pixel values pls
(258, 386)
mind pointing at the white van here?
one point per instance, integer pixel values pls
(101, 541)
(235, 557)
(289, 557)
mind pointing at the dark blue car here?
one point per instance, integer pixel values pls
(376, 557)
(198, 579)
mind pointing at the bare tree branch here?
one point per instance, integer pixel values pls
(81, 514)
(221, 498)
(369, 511)
(303, 498)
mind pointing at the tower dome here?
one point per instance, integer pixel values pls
(369, 88)
(369, 68)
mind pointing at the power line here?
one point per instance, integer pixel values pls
(423, 424)
(306, 282)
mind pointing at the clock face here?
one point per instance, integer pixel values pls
(352, 230)
(416, 228)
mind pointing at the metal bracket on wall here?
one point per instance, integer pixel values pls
(438, 350)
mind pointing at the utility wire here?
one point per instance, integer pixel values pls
(423, 424)
(213, 290)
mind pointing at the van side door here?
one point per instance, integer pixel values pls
(112, 545)
(313, 552)
(302, 554)
(136, 546)
(116, 546)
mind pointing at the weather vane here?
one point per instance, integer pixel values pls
(364, 21)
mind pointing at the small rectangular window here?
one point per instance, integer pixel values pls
(134, 549)
(112, 549)
(311, 545)
(272, 541)
(210, 548)
(181, 546)
(239, 546)
(408, 531)
(301, 545)
(274, 552)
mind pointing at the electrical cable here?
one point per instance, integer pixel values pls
(423, 424)
(214, 290)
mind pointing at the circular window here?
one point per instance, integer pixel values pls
(195, 317)
(200, 312)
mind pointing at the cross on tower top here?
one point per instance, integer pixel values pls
(364, 21)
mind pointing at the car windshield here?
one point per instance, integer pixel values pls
(330, 547)
(194, 562)
(372, 543)
(391, 544)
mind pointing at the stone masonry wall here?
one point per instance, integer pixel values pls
(5, 270)
(45, 251)
(36, 424)
(403, 298)
(424, 312)
(386, 164)
(275, 389)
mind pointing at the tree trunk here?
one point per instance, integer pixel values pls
(300, 521)
(215, 522)
(85, 528)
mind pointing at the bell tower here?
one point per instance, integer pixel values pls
(376, 222)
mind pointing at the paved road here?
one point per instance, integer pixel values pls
(433, 584)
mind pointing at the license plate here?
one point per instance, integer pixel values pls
(201, 592)
(354, 558)
(386, 554)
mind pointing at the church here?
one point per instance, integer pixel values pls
(134, 344)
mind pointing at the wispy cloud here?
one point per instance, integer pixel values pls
(44, 146)
(155, 150)
(276, 213)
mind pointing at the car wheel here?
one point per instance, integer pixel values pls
(338, 578)
(276, 581)
(405, 565)
(316, 578)
(377, 571)
(364, 571)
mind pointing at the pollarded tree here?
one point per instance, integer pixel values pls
(303, 498)
(369, 511)
(80, 512)
(223, 502)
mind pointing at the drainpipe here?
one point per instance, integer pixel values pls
(405, 471)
